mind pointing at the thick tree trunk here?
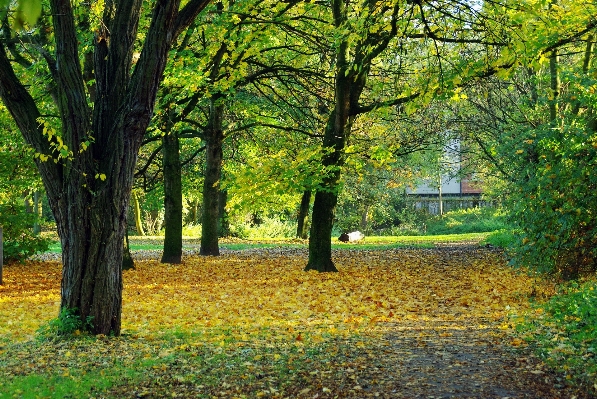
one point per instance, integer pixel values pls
(324, 207)
(172, 199)
(214, 136)
(320, 244)
(303, 215)
(349, 84)
(89, 183)
(92, 244)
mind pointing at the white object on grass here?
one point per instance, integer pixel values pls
(355, 236)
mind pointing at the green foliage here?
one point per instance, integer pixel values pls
(19, 240)
(555, 201)
(472, 220)
(462, 221)
(268, 227)
(68, 323)
(563, 332)
(504, 238)
(192, 230)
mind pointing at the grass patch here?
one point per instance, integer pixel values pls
(69, 384)
(155, 243)
(501, 238)
(563, 332)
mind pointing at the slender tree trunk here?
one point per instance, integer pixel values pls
(214, 137)
(303, 215)
(137, 211)
(172, 199)
(127, 259)
(224, 225)
(1, 255)
(364, 219)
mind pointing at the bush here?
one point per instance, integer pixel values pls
(192, 230)
(67, 323)
(563, 332)
(501, 238)
(19, 240)
(472, 220)
(269, 227)
(554, 202)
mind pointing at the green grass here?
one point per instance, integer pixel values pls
(501, 238)
(563, 332)
(66, 385)
(155, 243)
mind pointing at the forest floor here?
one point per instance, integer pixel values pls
(401, 323)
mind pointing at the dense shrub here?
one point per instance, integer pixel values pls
(555, 201)
(472, 220)
(563, 333)
(501, 238)
(268, 227)
(18, 237)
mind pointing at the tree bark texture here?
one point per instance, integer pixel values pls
(89, 188)
(214, 136)
(303, 215)
(172, 199)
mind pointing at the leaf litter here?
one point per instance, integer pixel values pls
(404, 323)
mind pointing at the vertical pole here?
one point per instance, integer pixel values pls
(441, 203)
(1, 255)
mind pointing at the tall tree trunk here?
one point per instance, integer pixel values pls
(224, 225)
(214, 136)
(303, 215)
(127, 259)
(89, 188)
(137, 212)
(172, 199)
(348, 87)
(324, 207)
(364, 219)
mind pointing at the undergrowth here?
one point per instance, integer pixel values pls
(563, 331)
(472, 220)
